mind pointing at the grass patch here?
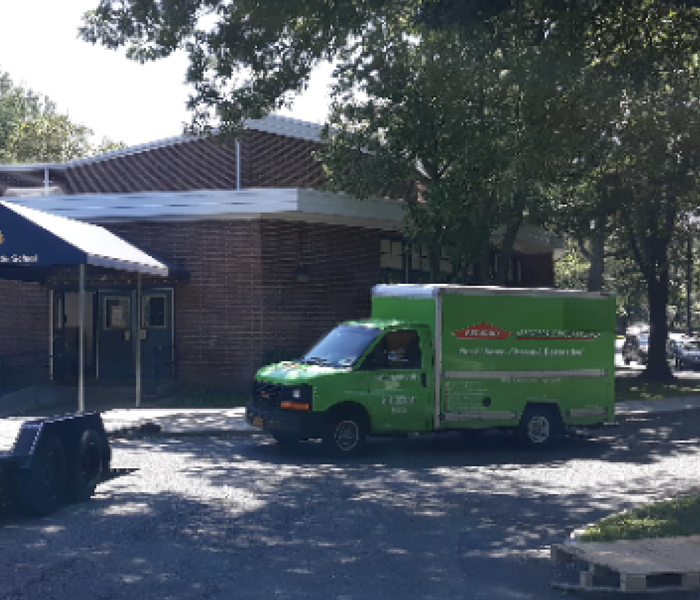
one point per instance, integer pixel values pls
(636, 388)
(672, 518)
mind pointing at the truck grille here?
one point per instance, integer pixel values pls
(267, 395)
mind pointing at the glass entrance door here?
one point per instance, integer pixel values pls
(157, 344)
(115, 340)
(66, 334)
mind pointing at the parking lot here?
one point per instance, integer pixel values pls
(423, 518)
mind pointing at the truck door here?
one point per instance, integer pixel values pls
(400, 382)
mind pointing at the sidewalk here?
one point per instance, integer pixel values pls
(182, 422)
(178, 422)
(121, 420)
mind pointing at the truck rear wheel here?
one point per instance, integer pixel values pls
(87, 472)
(539, 427)
(42, 488)
(345, 434)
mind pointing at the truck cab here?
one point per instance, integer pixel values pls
(372, 376)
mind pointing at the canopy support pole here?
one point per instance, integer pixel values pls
(52, 300)
(138, 342)
(81, 343)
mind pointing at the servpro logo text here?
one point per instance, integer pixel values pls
(556, 334)
(482, 331)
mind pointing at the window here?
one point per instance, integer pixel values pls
(153, 312)
(396, 350)
(116, 313)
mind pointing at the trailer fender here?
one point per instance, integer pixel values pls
(62, 459)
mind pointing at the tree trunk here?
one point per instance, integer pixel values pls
(596, 258)
(658, 291)
(512, 228)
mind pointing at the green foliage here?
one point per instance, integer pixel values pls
(31, 131)
(106, 145)
(458, 124)
(571, 271)
(18, 105)
(666, 519)
(47, 139)
(246, 57)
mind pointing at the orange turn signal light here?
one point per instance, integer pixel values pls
(295, 405)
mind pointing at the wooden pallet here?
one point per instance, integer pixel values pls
(639, 566)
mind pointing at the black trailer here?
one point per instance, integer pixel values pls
(46, 462)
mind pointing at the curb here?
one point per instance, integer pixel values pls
(158, 429)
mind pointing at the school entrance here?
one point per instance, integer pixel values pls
(111, 305)
(115, 325)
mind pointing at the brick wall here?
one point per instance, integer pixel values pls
(24, 322)
(342, 264)
(242, 304)
(218, 312)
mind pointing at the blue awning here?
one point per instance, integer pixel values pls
(33, 242)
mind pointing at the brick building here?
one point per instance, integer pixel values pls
(262, 260)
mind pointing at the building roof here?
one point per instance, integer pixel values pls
(288, 204)
(272, 152)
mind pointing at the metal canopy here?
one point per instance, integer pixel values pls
(32, 242)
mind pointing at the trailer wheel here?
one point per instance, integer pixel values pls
(345, 434)
(539, 427)
(42, 488)
(87, 472)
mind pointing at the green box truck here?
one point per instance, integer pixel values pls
(438, 358)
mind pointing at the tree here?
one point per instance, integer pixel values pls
(463, 124)
(250, 57)
(649, 53)
(50, 138)
(18, 105)
(31, 131)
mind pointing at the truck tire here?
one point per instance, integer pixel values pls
(539, 427)
(345, 434)
(86, 473)
(41, 489)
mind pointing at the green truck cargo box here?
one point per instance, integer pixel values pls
(442, 358)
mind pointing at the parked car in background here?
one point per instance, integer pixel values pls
(636, 346)
(684, 351)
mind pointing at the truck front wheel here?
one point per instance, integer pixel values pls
(345, 434)
(539, 427)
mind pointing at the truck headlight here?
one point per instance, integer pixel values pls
(297, 397)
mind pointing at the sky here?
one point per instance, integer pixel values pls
(99, 88)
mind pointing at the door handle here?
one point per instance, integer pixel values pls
(424, 379)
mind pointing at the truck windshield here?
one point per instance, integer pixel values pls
(342, 347)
